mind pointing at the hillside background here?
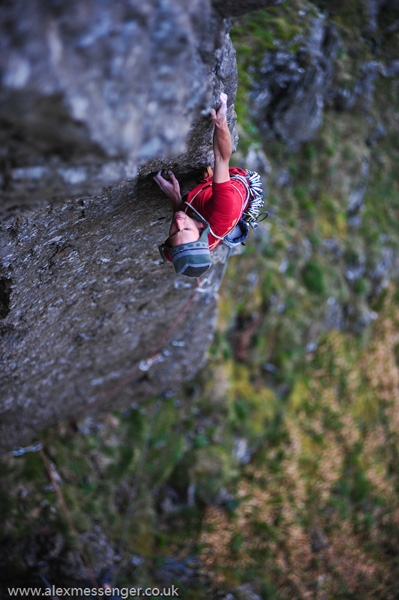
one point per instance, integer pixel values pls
(273, 472)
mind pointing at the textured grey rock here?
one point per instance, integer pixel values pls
(91, 90)
(88, 301)
(374, 8)
(95, 93)
(92, 94)
(290, 97)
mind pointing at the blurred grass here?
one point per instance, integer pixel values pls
(324, 508)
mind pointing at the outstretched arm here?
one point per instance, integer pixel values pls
(222, 146)
(171, 188)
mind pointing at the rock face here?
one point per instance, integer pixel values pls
(93, 94)
(88, 301)
(90, 90)
(295, 87)
(292, 91)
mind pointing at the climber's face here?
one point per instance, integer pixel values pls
(183, 229)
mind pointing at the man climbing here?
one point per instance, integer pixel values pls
(212, 209)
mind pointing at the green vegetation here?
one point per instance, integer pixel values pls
(318, 502)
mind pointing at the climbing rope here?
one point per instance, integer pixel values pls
(178, 345)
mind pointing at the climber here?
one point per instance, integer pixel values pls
(212, 209)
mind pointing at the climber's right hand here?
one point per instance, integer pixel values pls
(219, 116)
(170, 187)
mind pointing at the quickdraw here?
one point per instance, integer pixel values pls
(252, 215)
(255, 194)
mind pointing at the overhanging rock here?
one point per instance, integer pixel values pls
(99, 94)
